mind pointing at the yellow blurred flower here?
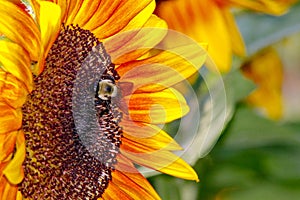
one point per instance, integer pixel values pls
(45, 45)
(212, 22)
(266, 71)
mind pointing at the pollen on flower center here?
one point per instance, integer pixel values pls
(70, 151)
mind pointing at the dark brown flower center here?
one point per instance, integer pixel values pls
(70, 121)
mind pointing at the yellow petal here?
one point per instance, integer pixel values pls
(148, 135)
(202, 21)
(28, 36)
(64, 7)
(10, 118)
(266, 70)
(50, 22)
(13, 92)
(163, 161)
(165, 68)
(19, 196)
(14, 171)
(14, 60)
(130, 45)
(157, 108)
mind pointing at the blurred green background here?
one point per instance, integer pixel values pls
(255, 157)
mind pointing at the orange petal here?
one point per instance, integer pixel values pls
(157, 108)
(133, 184)
(130, 45)
(14, 171)
(12, 16)
(165, 68)
(113, 192)
(141, 18)
(84, 12)
(15, 60)
(10, 118)
(193, 18)
(110, 19)
(13, 92)
(148, 135)
(127, 180)
(8, 191)
(163, 161)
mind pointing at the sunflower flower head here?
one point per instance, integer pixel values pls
(82, 97)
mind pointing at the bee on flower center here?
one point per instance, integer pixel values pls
(106, 89)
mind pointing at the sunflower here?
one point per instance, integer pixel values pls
(76, 114)
(212, 22)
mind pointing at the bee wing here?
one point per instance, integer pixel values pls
(126, 88)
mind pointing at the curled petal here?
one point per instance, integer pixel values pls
(14, 171)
